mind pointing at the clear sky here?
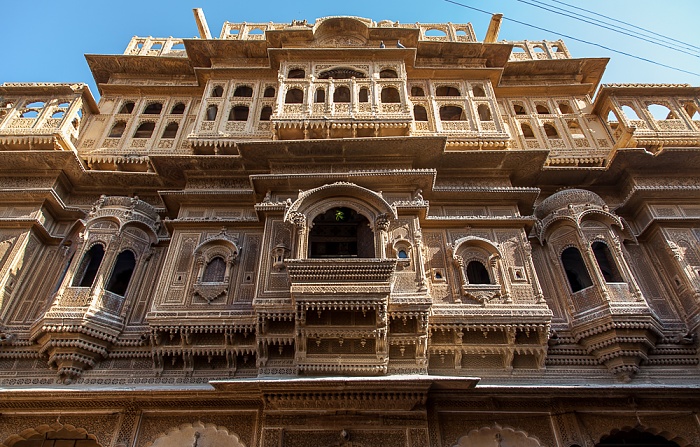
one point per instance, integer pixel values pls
(44, 41)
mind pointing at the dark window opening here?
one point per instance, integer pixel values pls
(145, 130)
(364, 95)
(542, 110)
(390, 95)
(215, 270)
(452, 113)
(420, 113)
(402, 254)
(606, 262)
(170, 130)
(296, 73)
(217, 92)
(320, 95)
(527, 131)
(178, 109)
(127, 107)
(341, 94)
(121, 274)
(550, 131)
(89, 265)
(519, 110)
(243, 91)
(575, 268)
(212, 111)
(417, 91)
(341, 73)
(446, 91)
(238, 113)
(118, 129)
(341, 233)
(634, 438)
(294, 96)
(153, 109)
(477, 273)
(269, 92)
(484, 113)
(565, 108)
(388, 74)
(478, 92)
(266, 113)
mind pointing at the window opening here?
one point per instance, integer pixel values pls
(320, 95)
(89, 266)
(565, 108)
(364, 95)
(606, 262)
(390, 95)
(661, 112)
(542, 109)
(118, 129)
(127, 107)
(265, 113)
(434, 32)
(550, 131)
(36, 105)
(477, 273)
(212, 111)
(341, 73)
(634, 438)
(153, 109)
(630, 113)
(122, 272)
(478, 92)
(420, 113)
(294, 96)
(217, 92)
(145, 130)
(388, 74)
(519, 110)
(446, 91)
(575, 129)
(341, 233)
(170, 131)
(575, 268)
(452, 113)
(238, 113)
(269, 92)
(29, 114)
(178, 109)
(484, 113)
(417, 91)
(402, 254)
(58, 114)
(296, 73)
(243, 91)
(341, 94)
(215, 270)
(527, 131)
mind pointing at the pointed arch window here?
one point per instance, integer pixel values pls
(215, 270)
(118, 129)
(294, 96)
(217, 92)
(341, 94)
(121, 273)
(606, 262)
(145, 130)
(266, 113)
(212, 111)
(153, 109)
(127, 107)
(477, 273)
(420, 113)
(178, 109)
(89, 265)
(484, 113)
(170, 130)
(575, 268)
(243, 91)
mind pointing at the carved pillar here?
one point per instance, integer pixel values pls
(353, 95)
(459, 261)
(530, 267)
(420, 270)
(502, 279)
(299, 220)
(592, 265)
(382, 227)
(626, 271)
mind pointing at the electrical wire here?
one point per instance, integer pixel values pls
(690, 46)
(664, 45)
(576, 39)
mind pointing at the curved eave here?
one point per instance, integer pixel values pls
(205, 52)
(521, 76)
(490, 54)
(104, 66)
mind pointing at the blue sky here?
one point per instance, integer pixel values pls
(44, 41)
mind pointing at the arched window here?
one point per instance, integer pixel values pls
(127, 107)
(606, 262)
(388, 73)
(58, 114)
(446, 91)
(477, 273)
(296, 73)
(661, 112)
(212, 111)
(294, 96)
(153, 108)
(215, 271)
(542, 109)
(527, 130)
(420, 113)
(170, 131)
(364, 95)
(402, 254)
(575, 269)
(320, 95)
(575, 129)
(145, 130)
(519, 109)
(341, 94)
(266, 113)
(243, 91)
(484, 113)
(341, 233)
(417, 91)
(178, 109)
(89, 265)
(238, 113)
(630, 113)
(29, 114)
(634, 438)
(550, 131)
(118, 129)
(217, 92)
(390, 95)
(269, 92)
(478, 92)
(565, 108)
(121, 273)
(452, 113)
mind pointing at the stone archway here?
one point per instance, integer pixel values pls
(497, 436)
(49, 436)
(197, 435)
(641, 437)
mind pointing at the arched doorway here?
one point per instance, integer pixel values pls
(636, 438)
(341, 232)
(64, 437)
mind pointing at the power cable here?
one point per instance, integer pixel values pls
(576, 39)
(664, 45)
